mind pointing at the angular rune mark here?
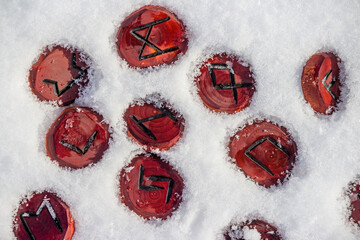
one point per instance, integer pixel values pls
(257, 143)
(156, 178)
(82, 72)
(139, 122)
(328, 86)
(233, 86)
(145, 40)
(45, 204)
(78, 150)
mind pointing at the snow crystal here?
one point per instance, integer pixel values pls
(251, 234)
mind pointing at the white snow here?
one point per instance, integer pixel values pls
(275, 36)
(244, 233)
(251, 234)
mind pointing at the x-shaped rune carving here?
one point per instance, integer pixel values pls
(257, 143)
(233, 86)
(328, 86)
(82, 72)
(139, 122)
(77, 149)
(44, 204)
(156, 178)
(146, 41)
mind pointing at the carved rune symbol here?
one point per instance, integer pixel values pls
(146, 41)
(77, 149)
(45, 204)
(233, 86)
(139, 122)
(257, 143)
(328, 86)
(82, 72)
(156, 179)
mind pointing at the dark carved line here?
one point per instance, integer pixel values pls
(158, 53)
(233, 86)
(141, 176)
(142, 27)
(45, 203)
(143, 128)
(147, 131)
(138, 37)
(259, 163)
(26, 225)
(73, 63)
(165, 113)
(77, 149)
(145, 187)
(56, 88)
(71, 147)
(232, 82)
(257, 143)
(278, 145)
(89, 142)
(156, 178)
(82, 72)
(153, 117)
(164, 179)
(146, 41)
(328, 86)
(229, 86)
(212, 73)
(168, 114)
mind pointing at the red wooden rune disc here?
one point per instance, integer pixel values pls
(151, 36)
(242, 231)
(153, 125)
(150, 187)
(264, 151)
(320, 82)
(77, 138)
(225, 84)
(354, 195)
(59, 74)
(43, 217)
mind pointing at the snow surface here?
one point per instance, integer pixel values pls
(251, 234)
(276, 37)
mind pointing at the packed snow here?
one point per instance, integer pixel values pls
(276, 37)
